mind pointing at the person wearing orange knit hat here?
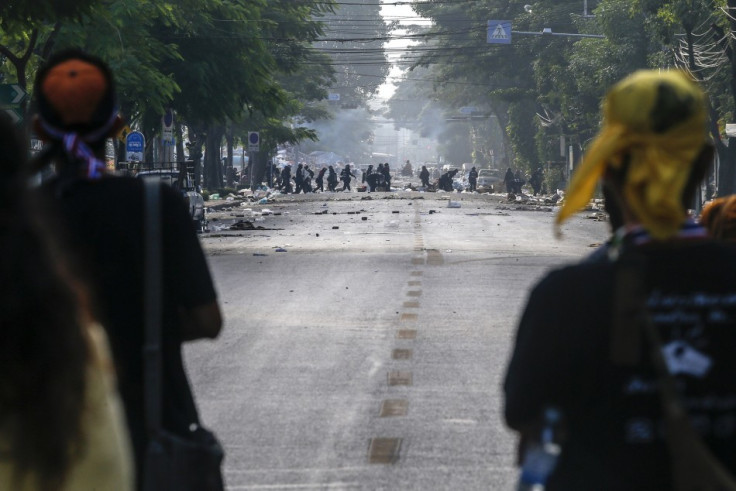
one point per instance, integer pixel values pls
(583, 351)
(102, 217)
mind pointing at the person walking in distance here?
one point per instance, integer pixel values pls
(424, 176)
(387, 176)
(331, 179)
(307, 181)
(633, 371)
(299, 179)
(346, 176)
(472, 179)
(536, 180)
(508, 180)
(286, 179)
(103, 217)
(364, 176)
(320, 180)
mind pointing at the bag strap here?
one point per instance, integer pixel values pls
(694, 467)
(152, 284)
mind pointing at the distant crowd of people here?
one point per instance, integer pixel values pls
(304, 179)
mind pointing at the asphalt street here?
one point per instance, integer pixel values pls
(366, 336)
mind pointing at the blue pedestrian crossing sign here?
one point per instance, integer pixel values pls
(499, 32)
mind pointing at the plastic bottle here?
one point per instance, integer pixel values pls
(540, 459)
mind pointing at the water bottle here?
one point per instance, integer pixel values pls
(541, 458)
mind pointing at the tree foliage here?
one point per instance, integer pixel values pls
(545, 87)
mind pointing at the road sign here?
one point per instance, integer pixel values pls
(16, 115)
(11, 95)
(499, 32)
(254, 141)
(468, 109)
(135, 144)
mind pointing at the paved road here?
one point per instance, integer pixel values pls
(370, 356)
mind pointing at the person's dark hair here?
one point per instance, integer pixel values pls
(43, 352)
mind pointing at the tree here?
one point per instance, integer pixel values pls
(354, 40)
(27, 26)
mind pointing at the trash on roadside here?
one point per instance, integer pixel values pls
(214, 196)
(432, 212)
(244, 225)
(552, 199)
(335, 227)
(453, 204)
(263, 201)
(364, 218)
(259, 254)
(280, 249)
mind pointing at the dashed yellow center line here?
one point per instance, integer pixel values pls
(384, 450)
(394, 407)
(406, 334)
(399, 377)
(401, 354)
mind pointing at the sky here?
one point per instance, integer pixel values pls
(391, 12)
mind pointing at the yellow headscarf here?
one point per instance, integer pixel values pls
(659, 120)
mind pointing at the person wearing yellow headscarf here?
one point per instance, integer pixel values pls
(654, 130)
(580, 347)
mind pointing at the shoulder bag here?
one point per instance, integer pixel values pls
(172, 462)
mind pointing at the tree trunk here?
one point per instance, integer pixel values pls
(259, 162)
(212, 162)
(229, 158)
(179, 135)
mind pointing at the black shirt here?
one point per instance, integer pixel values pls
(561, 357)
(104, 224)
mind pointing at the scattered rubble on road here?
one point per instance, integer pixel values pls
(245, 225)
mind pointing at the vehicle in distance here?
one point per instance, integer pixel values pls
(490, 179)
(182, 181)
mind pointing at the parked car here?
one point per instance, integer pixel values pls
(182, 181)
(489, 179)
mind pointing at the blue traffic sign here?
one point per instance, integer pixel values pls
(499, 32)
(135, 144)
